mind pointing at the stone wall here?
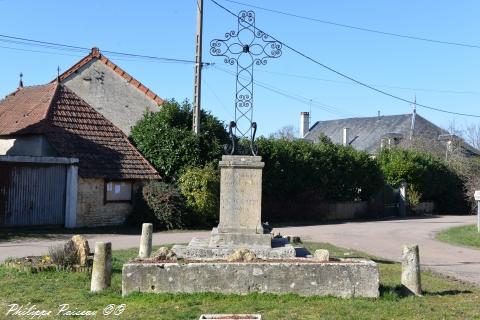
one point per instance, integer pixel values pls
(92, 211)
(110, 94)
(345, 278)
(344, 210)
(424, 208)
(318, 211)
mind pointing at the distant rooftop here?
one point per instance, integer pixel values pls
(370, 130)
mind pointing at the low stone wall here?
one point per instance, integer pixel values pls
(424, 207)
(344, 210)
(346, 279)
(317, 211)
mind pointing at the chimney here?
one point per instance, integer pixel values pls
(346, 137)
(95, 52)
(20, 83)
(304, 123)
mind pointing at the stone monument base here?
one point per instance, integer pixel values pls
(221, 245)
(239, 238)
(347, 278)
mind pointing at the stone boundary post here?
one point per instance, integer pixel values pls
(146, 241)
(411, 282)
(102, 267)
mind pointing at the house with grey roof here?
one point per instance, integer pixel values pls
(370, 134)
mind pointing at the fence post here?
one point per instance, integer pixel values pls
(403, 199)
(477, 198)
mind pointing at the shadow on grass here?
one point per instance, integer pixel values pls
(60, 233)
(399, 292)
(383, 261)
(446, 293)
(306, 223)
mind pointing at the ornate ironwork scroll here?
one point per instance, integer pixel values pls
(245, 48)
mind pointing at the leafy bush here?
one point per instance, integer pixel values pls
(64, 254)
(201, 189)
(413, 196)
(159, 203)
(428, 175)
(166, 139)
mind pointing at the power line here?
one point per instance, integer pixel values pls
(44, 43)
(66, 47)
(218, 99)
(296, 97)
(398, 35)
(39, 51)
(345, 75)
(377, 85)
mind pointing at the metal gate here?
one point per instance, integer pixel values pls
(391, 198)
(32, 193)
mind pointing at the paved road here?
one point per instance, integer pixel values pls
(380, 238)
(386, 238)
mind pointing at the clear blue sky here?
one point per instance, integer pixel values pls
(167, 29)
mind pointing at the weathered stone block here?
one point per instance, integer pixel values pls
(242, 255)
(198, 249)
(321, 255)
(352, 278)
(218, 239)
(82, 247)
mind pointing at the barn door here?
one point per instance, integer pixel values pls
(32, 194)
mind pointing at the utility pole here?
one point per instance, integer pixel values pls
(198, 69)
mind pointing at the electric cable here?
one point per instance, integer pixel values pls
(307, 57)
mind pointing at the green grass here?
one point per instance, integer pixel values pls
(464, 236)
(443, 299)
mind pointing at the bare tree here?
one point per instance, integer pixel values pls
(286, 133)
(472, 135)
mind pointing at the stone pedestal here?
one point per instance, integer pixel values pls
(240, 224)
(240, 203)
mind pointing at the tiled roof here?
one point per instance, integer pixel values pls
(21, 112)
(371, 129)
(95, 54)
(77, 130)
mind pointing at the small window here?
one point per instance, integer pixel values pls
(118, 191)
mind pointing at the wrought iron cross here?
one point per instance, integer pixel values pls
(245, 48)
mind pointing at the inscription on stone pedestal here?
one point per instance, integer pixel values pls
(241, 194)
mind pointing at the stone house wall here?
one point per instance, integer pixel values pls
(93, 211)
(110, 94)
(26, 145)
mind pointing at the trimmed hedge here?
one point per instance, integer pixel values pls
(335, 172)
(299, 174)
